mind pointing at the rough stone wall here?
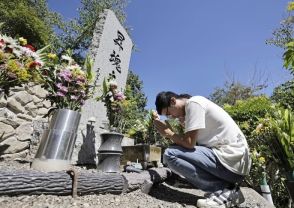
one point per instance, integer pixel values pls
(22, 122)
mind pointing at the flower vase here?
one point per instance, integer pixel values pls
(56, 147)
(110, 152)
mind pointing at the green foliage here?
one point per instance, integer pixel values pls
(288, 57)
(137, 102)
(283, 127)
(135, 90)
(250, 114)
(139, 124)
(276, 134)
(115, 104)
(284, 34)
(144, 132)
(68, 85)
(124, 114)
(131, 112)
(233, 91)
(284, 94)
(29, 19)
(77, 33)
(33, 20)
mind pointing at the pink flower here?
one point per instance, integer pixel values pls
(80, 79)
(119, 96)
(62, 88)
(66, 75)
(60, 94)
(2, 43)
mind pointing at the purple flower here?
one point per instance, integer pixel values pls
(80, 83)
(60, 94)
(81, 79)
(119, 96)
(66, 75)
(62, 88)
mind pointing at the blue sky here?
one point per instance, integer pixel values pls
(193, 46)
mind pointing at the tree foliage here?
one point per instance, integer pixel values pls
(288, 57)
(135, 90)
(284, 34)
(249, 114)
(281, 35)
(284, 94)
(233, 91)
(77, 33)
(33, 20)
(135, 110)
(29, 19)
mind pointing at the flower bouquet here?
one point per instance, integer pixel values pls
(19, 63)
(68, 87)
(114, 101)
(68, 84)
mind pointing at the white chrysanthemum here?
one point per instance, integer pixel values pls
(9, 40)
(28, 52)
(76, 67)
(112, 83)
(67, 58)
(17, 52)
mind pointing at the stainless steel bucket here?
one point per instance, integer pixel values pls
(56, 147)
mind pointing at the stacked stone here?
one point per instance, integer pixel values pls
(21, 121)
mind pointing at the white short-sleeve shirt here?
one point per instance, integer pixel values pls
(217, 130)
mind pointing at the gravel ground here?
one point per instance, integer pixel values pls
(155, 198)
(168, 194)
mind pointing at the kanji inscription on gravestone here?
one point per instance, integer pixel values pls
(111, 51)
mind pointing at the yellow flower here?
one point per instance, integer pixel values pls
(13, 66)
(290, 6)
(255, 153)
(51, 56)
(261, 160)
(22, 41)
(78, 72)
(23, 74)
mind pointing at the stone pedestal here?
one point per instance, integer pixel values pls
(110, 152)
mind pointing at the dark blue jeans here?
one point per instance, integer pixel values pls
(200, 167)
